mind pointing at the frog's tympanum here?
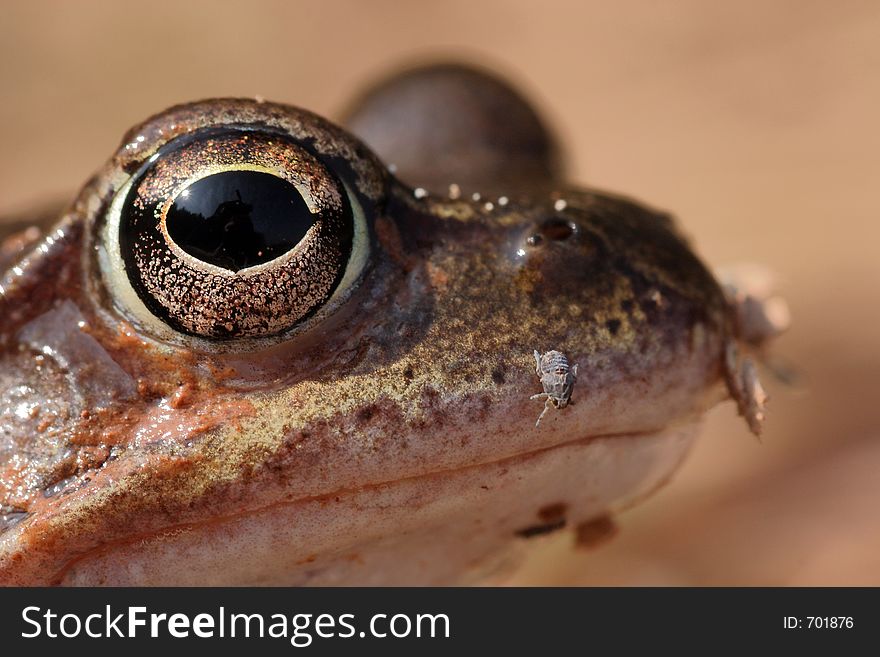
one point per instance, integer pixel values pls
(253, 352)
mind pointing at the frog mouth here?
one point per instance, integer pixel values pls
(469, 511)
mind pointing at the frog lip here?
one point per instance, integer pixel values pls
(647, 467)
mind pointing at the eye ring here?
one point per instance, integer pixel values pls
(161, 285)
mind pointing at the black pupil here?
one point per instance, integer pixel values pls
(238, 219)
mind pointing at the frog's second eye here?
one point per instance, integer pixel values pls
(232, 234)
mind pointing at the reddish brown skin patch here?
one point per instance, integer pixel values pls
(592, 534)
(553, 512)
(437, 277)
(389, 238)
(183, 396)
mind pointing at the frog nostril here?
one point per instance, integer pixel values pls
(554, 229)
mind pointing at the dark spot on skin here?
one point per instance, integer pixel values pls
(613, 326)
(408, 374)
(626, 305)
(553, 512)
(540, 530)
(131, 166)
(367, 413)
(594, 532)
(498, 376)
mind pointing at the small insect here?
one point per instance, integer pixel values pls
(556, 377)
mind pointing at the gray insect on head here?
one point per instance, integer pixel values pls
(557, 378)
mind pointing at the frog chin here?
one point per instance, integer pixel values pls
(446, 527)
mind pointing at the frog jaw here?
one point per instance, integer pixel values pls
(443, 528)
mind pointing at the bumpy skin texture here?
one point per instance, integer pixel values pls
(390, 441)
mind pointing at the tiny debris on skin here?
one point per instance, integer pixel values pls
(354, 409)
(557, 378)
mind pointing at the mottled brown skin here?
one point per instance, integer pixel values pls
(125, 439)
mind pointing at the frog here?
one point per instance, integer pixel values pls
(259, 348)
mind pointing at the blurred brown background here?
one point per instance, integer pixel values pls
(756, 122)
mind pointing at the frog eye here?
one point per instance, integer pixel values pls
(232, 233)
